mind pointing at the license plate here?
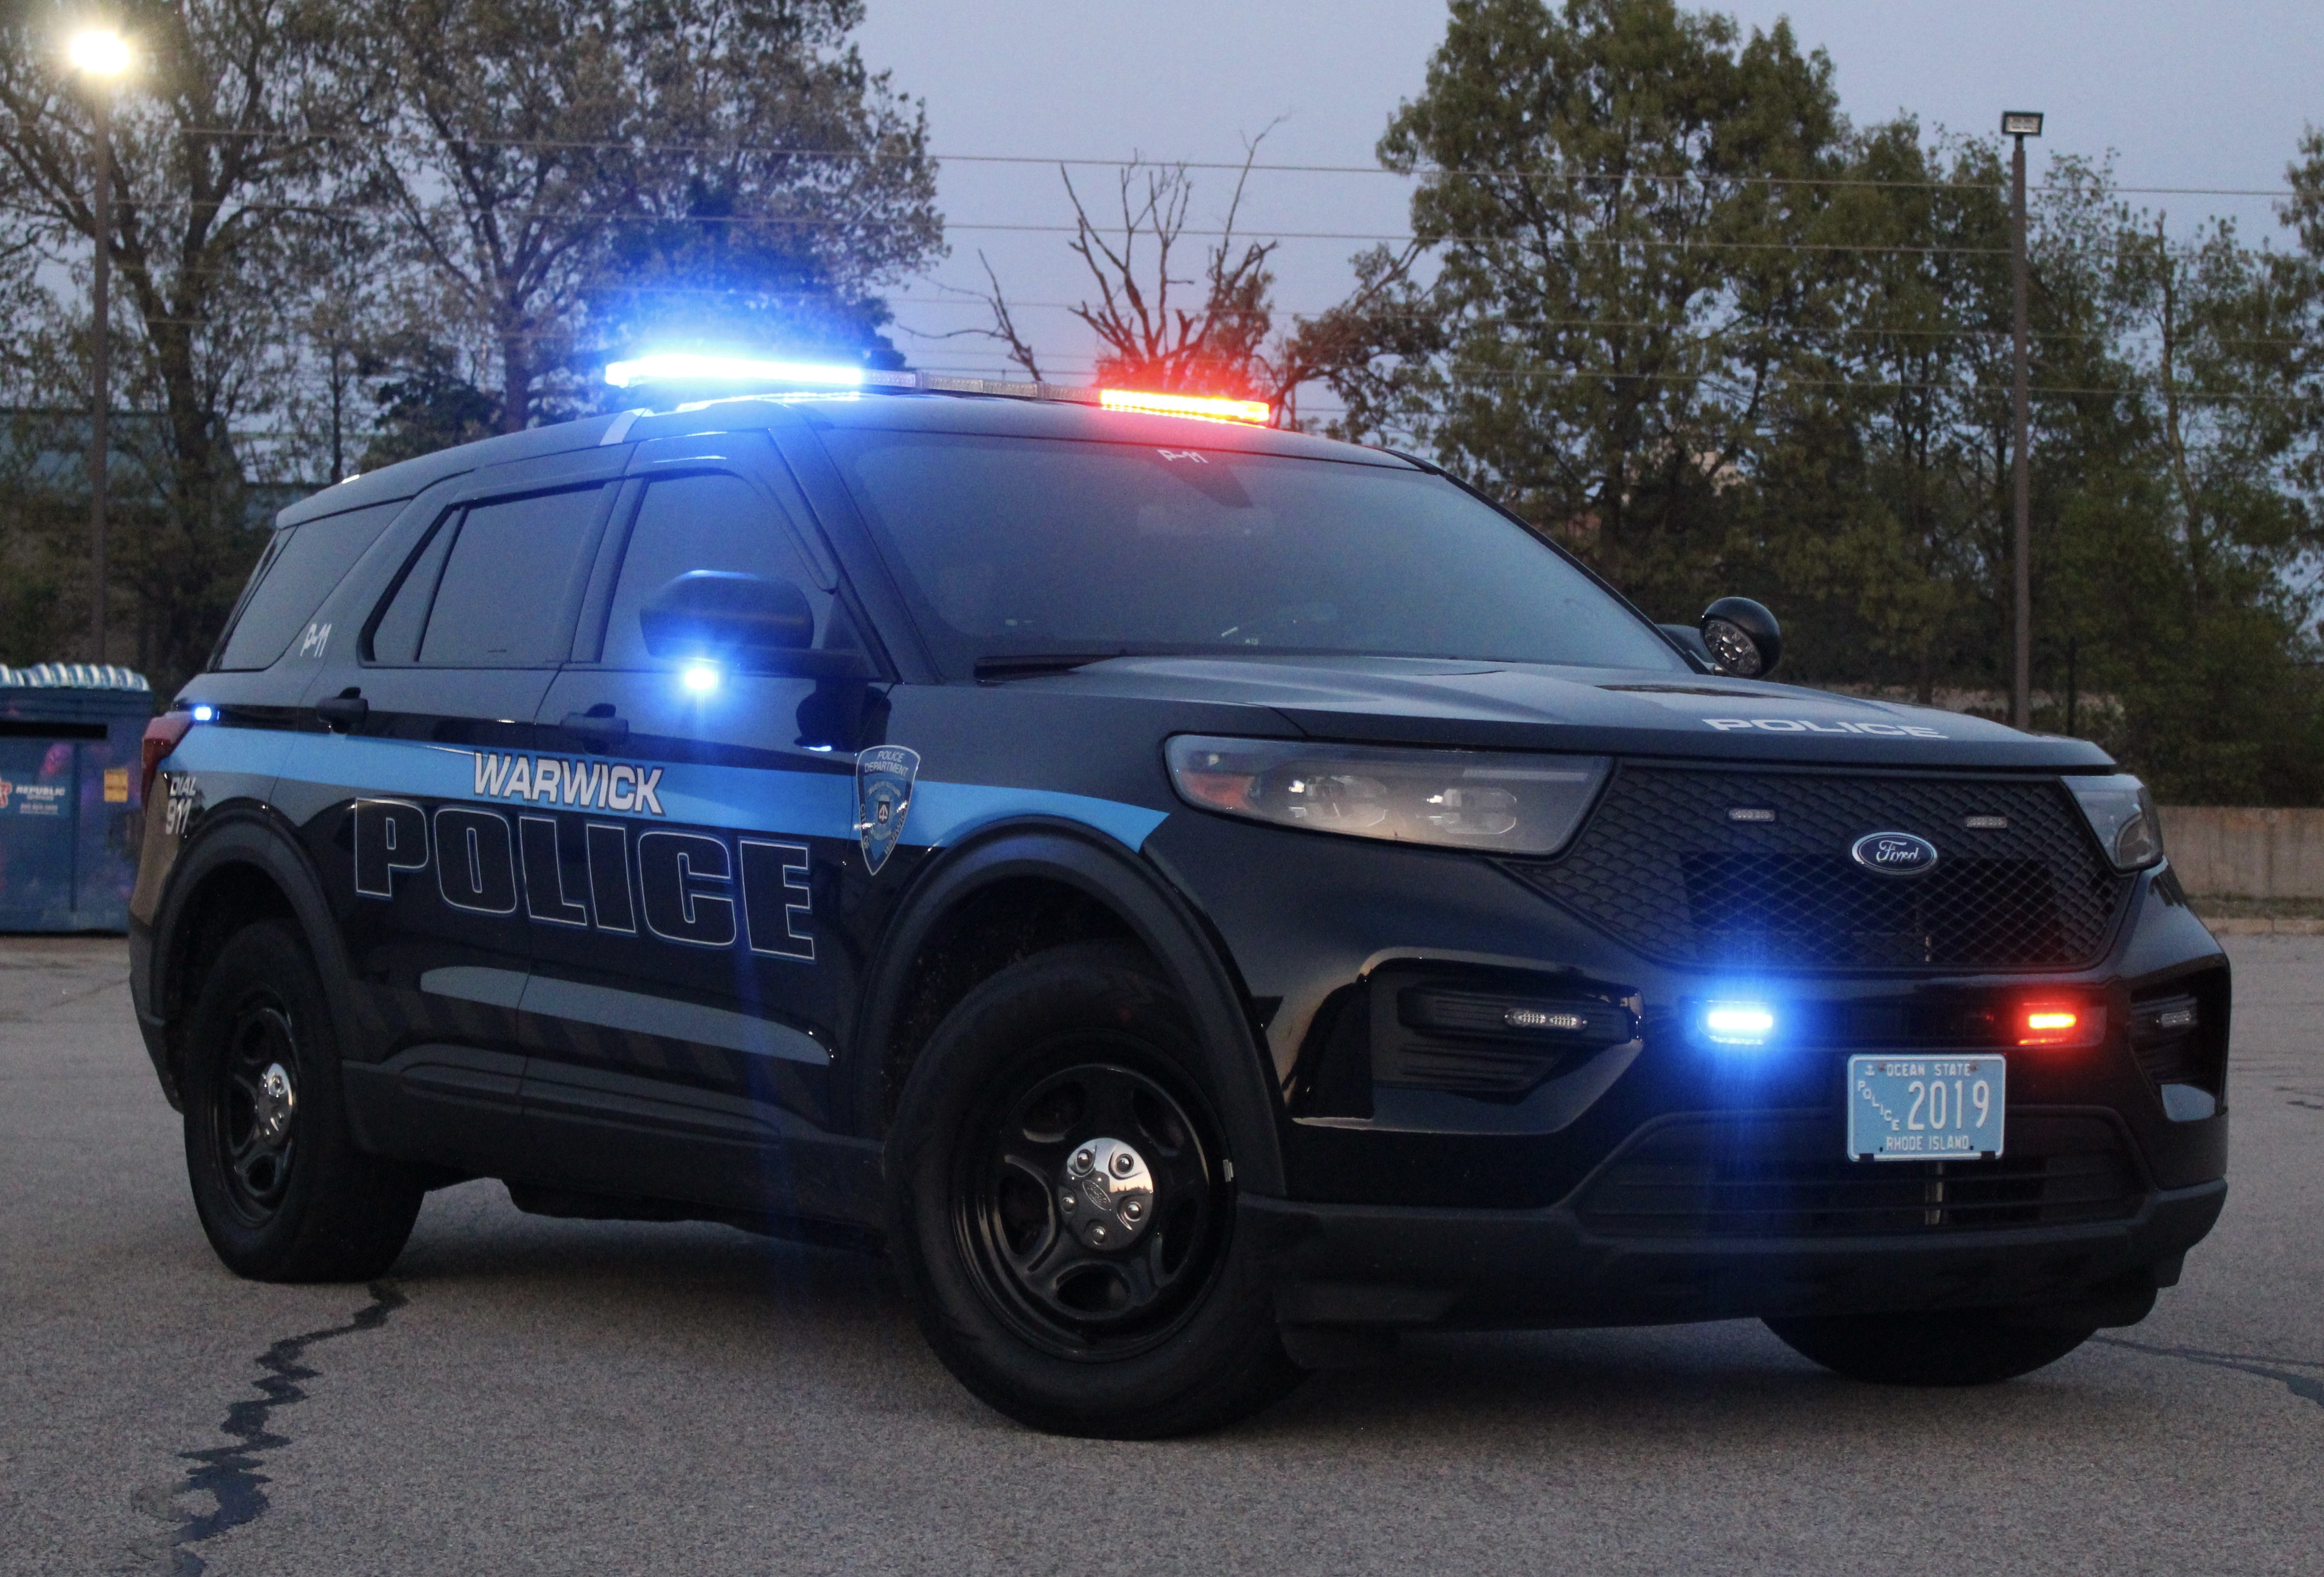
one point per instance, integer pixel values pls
(1925, 1108)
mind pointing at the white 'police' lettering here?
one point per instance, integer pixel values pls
(1809, 725)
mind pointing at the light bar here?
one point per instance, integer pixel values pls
(691, 367)
(1257, 411)
(747, 375)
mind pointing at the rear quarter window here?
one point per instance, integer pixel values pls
(300, 568)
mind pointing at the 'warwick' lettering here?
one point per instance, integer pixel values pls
(583, 785)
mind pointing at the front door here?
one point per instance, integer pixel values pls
(689, 982)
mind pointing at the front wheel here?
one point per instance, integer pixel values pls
(1062, 1211)
(281, 1190)
(1975, 1348)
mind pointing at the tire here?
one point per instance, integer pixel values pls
(1975, 1348)
(281, 1190)
(1075, 1075)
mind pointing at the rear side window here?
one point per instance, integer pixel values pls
(492, 588)
(305, 563)
(711, 522)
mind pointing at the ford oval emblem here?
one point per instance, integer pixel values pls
(1895, 854)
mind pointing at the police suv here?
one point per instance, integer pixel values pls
(1204, 897)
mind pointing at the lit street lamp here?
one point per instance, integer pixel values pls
(100, 56)
(2020, 124)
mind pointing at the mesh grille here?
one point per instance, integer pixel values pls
(1715, 1177)
(1662, 865)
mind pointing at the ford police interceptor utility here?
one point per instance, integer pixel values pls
(1205, 898)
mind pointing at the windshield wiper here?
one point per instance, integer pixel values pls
(1026, 665)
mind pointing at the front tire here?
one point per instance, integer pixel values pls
(281, 1190)
(1060, 1213)
(1977, 1348)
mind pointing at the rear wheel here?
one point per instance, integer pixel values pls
(281, 1191)
(1061, 1210)
(1975, 1348)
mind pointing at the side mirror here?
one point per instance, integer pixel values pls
(745, 620)
(1743, 638)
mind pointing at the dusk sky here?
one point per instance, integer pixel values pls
(2211, 96)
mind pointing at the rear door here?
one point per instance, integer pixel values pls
(449, 667)
(692, 982)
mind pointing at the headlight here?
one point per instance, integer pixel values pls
(1462, 799)
(2122, 813)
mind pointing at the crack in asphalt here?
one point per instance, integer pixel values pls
(229, 1474)
(2307, 1388)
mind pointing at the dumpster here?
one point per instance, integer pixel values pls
(70, 807)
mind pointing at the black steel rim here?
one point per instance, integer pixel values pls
(254, 1130)
(1067, 1297)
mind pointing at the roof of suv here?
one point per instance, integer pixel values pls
(997, 416)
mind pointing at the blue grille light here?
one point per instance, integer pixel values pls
(205, 713)
(690, 368)
(701, 678)
(1739, 1023)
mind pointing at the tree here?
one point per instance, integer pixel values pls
(1611, 192)
(1216, 345)
(231, 125)
(608, 168)
(1224, 345)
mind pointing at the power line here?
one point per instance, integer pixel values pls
(1519, 321)
(1080, 162)
(516, 214)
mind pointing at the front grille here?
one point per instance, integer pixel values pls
(1663, 864)
(1786, 1177)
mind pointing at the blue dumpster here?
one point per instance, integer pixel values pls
(70, 804)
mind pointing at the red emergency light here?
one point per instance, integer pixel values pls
(2058, 1023)
(1251, 410)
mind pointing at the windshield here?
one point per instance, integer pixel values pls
(1035, 546)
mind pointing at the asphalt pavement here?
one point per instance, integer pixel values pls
(524, 1395)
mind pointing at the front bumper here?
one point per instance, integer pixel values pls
(1382, 1267)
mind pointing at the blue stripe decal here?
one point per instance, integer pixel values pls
(945, 813)
(738, 798)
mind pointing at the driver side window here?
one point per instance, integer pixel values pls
(709, 520)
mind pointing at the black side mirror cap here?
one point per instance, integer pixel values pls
(751, 622)
(1743, 638)
(1689, 640)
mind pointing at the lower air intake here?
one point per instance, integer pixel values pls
(1785, 1177)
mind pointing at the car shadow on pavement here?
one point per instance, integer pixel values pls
(705, 1294)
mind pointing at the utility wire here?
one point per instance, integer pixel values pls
(1081, 162)
(518, 215)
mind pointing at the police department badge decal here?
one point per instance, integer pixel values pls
(883, 797)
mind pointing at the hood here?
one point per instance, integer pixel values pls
(1599, 711)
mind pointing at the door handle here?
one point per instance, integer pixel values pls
(345, 712)
(597, 728)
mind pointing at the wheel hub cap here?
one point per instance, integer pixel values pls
(277, 1104)
(1106, 1195)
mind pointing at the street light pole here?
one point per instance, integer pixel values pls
(100, 57)
(2020, 124)
(100, 376)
